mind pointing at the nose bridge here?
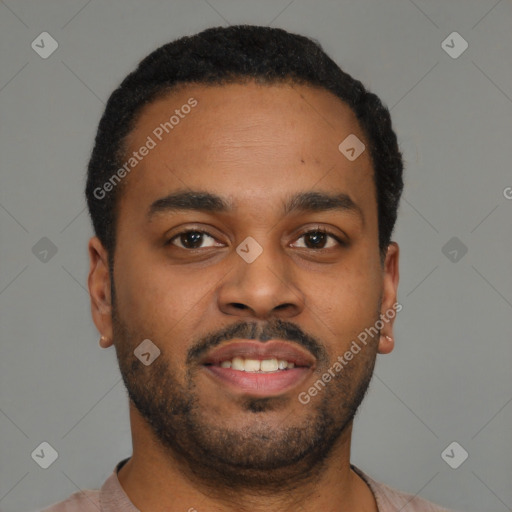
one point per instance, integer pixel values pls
(262, 280)
(262, 264)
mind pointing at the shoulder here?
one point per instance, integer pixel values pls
(389, 499)
(83, 501)
(392, 498)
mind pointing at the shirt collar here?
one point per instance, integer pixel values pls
(112, 495)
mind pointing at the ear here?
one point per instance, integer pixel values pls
(390, 306)
(99, 291)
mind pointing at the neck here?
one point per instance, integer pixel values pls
(157, 480)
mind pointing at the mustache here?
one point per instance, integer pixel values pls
(253, 331)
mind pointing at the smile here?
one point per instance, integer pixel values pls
(259, 369)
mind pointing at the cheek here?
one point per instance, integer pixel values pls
(161, 300)
(346, 301)
(144, 294)
(354, 284)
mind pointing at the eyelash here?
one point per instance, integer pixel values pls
(322, 230)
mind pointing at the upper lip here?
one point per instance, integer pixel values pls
(250, 349)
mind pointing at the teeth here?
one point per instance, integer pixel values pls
(269, 365)
(252, 365)
(255, 365)
(238, 364)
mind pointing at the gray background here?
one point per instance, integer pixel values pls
(448, 378)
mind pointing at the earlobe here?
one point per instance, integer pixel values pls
(105, 342)
(386, 344)
(99, 290)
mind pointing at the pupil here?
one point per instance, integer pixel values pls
(195, 236)
(316, 235)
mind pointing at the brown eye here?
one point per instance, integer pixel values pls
(317, 238)
(191, 239)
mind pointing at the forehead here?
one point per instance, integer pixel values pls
(246, 141)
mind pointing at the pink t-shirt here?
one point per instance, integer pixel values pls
(112, 498)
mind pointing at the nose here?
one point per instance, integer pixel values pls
(262, 289)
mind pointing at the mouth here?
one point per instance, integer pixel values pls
(259, 369)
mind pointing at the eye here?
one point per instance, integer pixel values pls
(190, 239)
(316, 238)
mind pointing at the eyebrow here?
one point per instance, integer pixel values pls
(310, 201)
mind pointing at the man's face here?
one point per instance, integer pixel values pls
(195, 295)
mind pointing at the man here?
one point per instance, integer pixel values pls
(243, 191)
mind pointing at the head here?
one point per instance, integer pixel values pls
(224, 209)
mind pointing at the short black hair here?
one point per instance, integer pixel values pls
(237, 54)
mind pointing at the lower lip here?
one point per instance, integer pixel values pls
(259, 384)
